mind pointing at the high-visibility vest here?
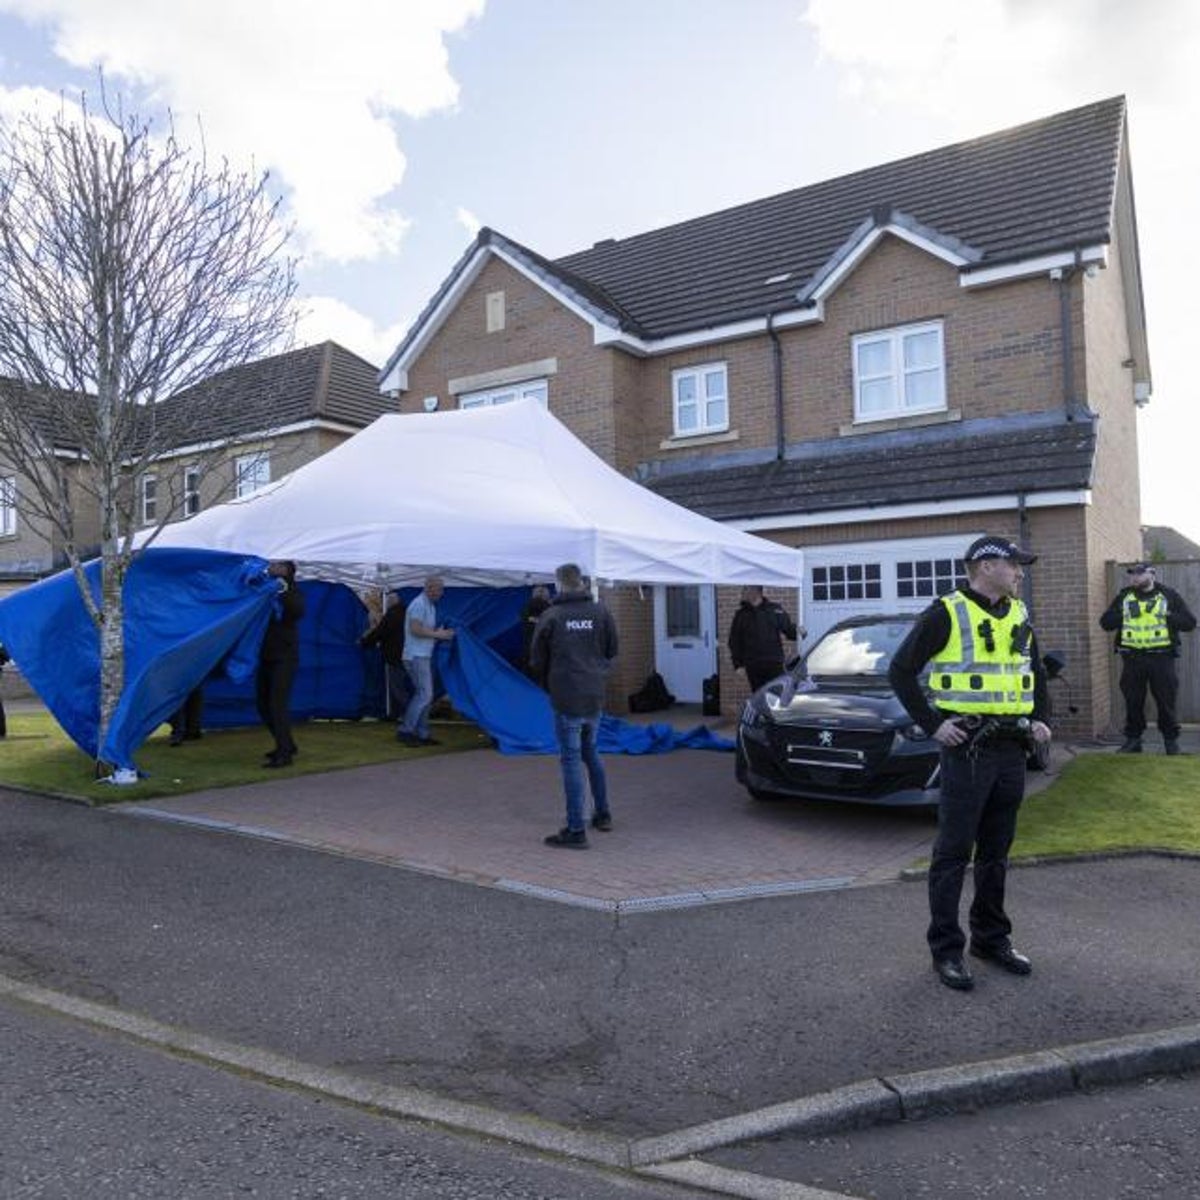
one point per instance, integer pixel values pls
(985, 666)
(1144, 623)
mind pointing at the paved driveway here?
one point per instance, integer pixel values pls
(685, 831)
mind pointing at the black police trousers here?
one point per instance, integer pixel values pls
(1141, 669)
(982, 790)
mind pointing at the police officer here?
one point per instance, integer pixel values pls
(988, 691)
(1148, 619)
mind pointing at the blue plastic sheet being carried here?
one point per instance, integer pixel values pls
(189, 614)
(197, 617)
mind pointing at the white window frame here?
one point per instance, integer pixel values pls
(698, 377)
(251, 473)
(191, 491)
(536, 389)
(148, 492)
(897, 376)
(8, 505)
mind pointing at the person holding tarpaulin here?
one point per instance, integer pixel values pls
(989, 702)
(4, 658)
(278, 659)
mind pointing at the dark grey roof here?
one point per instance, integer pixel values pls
(1046, 186)
(944, 462)
(325, 381)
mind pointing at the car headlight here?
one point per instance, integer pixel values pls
(913, 733)
(753, 715)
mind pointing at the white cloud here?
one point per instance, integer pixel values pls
(468, 220)
(307, 90)
(324, 318)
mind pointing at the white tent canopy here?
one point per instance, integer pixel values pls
(482, 496)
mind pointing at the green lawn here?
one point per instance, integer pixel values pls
(1104, 801)
(38, 756)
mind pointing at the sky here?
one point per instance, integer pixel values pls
(393, 128)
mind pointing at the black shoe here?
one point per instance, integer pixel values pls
(176, 739)
(428, 741)
(1131, 745)
(407, 739)
(274, 761)
(572, 839)
(602, 821)
(1171, 746)
(1004, 956)
(954, 973)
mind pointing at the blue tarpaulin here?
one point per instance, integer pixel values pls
(188, 614)
(198, 616)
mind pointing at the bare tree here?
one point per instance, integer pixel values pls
(130, 270)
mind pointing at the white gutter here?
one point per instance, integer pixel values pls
(905, 512)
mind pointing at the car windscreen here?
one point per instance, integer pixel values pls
(858, 649)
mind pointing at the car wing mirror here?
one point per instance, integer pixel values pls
(1055, 662)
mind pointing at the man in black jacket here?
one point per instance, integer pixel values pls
(278, 659)
(1147, 619)
(388, 635)
(756, 637)
(574, 644)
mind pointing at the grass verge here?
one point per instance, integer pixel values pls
(38, 756)
(1103, 802)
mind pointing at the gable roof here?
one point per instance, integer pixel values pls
(322, 382)
(988, 457)
(1022, 196)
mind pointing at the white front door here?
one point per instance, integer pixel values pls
(685, 621)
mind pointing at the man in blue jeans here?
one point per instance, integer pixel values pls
(574, 644)
(421, 633)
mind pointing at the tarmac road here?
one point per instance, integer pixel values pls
(626, 1025)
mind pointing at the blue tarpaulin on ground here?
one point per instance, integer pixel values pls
(516, 713)
(198, 616)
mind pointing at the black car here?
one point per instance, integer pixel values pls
(832, 728)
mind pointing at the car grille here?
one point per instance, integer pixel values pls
(831, 757)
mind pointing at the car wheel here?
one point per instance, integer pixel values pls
(766, 797)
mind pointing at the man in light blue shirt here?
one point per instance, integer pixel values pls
(422, 631)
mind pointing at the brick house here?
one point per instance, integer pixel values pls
(244, 427)
(876, 369)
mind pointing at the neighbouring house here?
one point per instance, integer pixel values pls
(877, 369)
(236, 432)
(1161, 543)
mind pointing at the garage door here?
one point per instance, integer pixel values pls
(873, 577)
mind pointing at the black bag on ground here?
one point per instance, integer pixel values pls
(710, 705)
(652, 696)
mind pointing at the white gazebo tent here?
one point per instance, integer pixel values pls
(499, 495)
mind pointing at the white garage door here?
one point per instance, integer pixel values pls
(878, 577)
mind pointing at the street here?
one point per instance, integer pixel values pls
(1136, 1142)
(91, 1114)
(587, 1033)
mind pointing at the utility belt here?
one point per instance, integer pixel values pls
(983, 729)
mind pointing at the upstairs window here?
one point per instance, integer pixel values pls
(701, 399)
(252, 471)
(149, 499)
(191, 491)
(898, 372)
(535, 389)
(8, 505)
